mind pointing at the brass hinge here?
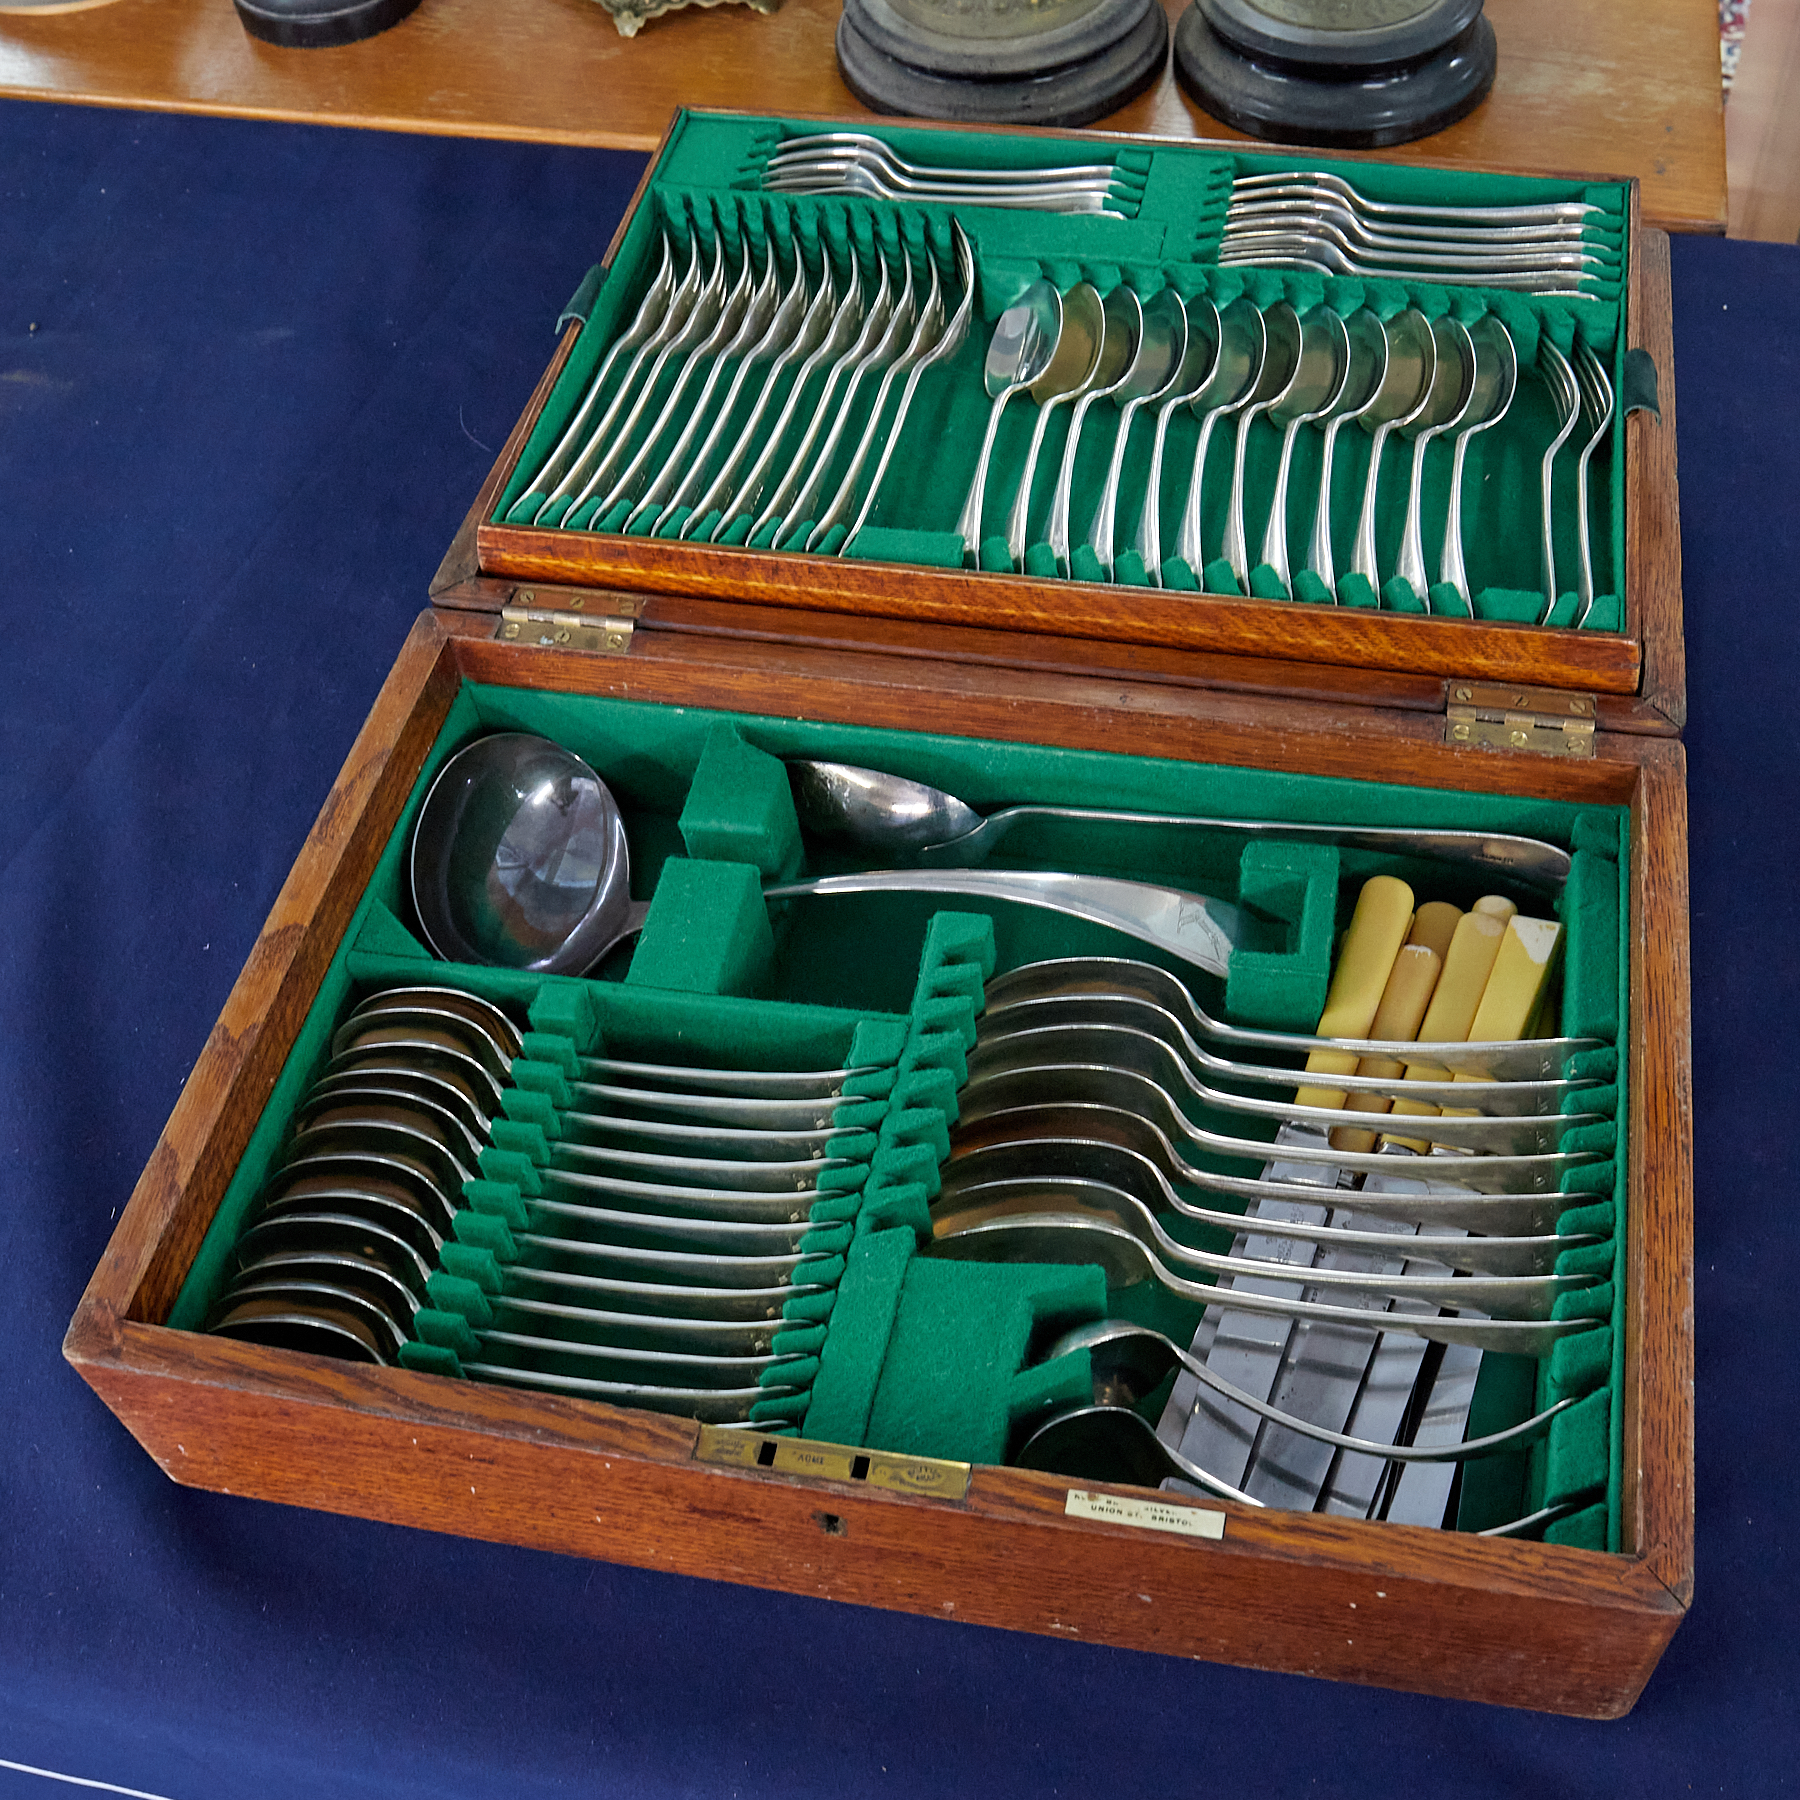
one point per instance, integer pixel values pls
(929, 1477)
(547, 630)
(1492, 717)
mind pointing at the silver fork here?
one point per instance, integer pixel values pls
(1597, 398)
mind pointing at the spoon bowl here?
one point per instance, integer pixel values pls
(519, 859)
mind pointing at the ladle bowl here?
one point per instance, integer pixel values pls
(519, 859)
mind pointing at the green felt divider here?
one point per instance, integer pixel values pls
(707, 931)
(1584, 1530)
(1297, 883)
(1590, 997)
(862, 1321)
(978, 1319)
(704, 186)
(740, 807)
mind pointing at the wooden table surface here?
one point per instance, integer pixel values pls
(1604, 87)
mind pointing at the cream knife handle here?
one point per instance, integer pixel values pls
(1378, 928)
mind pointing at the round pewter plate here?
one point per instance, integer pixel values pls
(1358, 113)
(1072, 94)
(1335, 36)
(906, 31)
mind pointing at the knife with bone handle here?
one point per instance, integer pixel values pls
(1245, 1347)
(1515, 992)
(1324, 1365)
(1393, 1370)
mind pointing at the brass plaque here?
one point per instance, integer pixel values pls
(929, 1477)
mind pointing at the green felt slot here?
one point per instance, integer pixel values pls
(700, 188)
(896, 983)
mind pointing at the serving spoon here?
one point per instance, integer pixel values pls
(914, 822)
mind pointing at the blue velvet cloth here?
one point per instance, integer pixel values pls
(252, 376)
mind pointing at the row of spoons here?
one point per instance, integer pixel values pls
(655, 1260)
(654, 450)
(797, 344)
(1406, 377)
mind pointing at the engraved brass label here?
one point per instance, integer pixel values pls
(929, 1477)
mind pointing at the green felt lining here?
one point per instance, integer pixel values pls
(898, 984)
(1184, 192)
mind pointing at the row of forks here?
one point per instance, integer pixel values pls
(853, 162)
(798, 346)
(1320, 222)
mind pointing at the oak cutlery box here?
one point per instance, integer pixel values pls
(683, 671)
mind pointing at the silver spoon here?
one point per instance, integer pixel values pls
(1405, 393)
(912, 821)
(1025, 339)
(1243, 347)
(1196, 369)
(1496, 378)
(1122, 338)
(1317, 391)
(1452, 393)
(1155, 372)
(1079, 347)
(1530, 1059)
(1361, 392)
(1052, 1153)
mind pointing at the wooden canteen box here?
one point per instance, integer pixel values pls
(682, 670)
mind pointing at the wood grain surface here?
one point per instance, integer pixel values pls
(1519, 1624)
(1609, 87)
